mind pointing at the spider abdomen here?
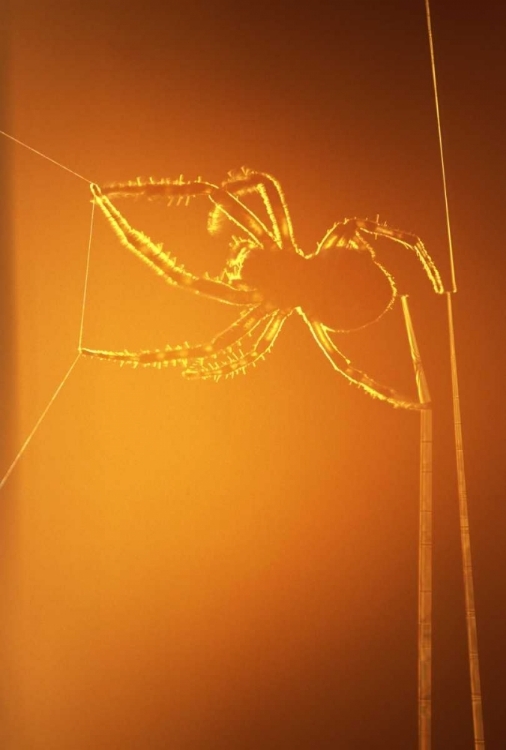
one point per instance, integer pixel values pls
(343, 288)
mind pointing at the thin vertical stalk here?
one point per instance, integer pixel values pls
(467, 568)
(465, 541)
(424, 543)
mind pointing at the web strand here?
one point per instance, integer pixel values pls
(38, 423)
(441, 150)
(86, 275)
(81, 326)
(39, 153)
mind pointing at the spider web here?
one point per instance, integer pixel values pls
(31, 434)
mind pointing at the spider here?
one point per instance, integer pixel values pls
(269, 277)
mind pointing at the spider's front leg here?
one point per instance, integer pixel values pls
(178, 191)
(221, 345)
(182, 191)
(164, 264)
(268, 188)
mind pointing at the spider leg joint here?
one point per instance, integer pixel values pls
(95, 190)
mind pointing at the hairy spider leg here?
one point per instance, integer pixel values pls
(240, 361)
(180, 355)
(164, 264)
(238, 250)
(344, 234)
(343, 365)
(411, 241)
(245, 342)
(248, 181)
(228, 206)
(225, 204)
(178, 190)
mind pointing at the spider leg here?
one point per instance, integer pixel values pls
(228, 206)
(236, 361)
(178, 191)
(166, 265)
(343, 234)
(184, 190)
(343, 365)
(268, 188)
(408, 240)
(180, 355)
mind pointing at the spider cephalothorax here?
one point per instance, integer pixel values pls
(340, 287)
(343, 286)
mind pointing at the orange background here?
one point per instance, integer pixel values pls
(233, 565)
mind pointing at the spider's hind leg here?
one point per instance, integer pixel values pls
(344, 234)
(343, 365)
(409, 241)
